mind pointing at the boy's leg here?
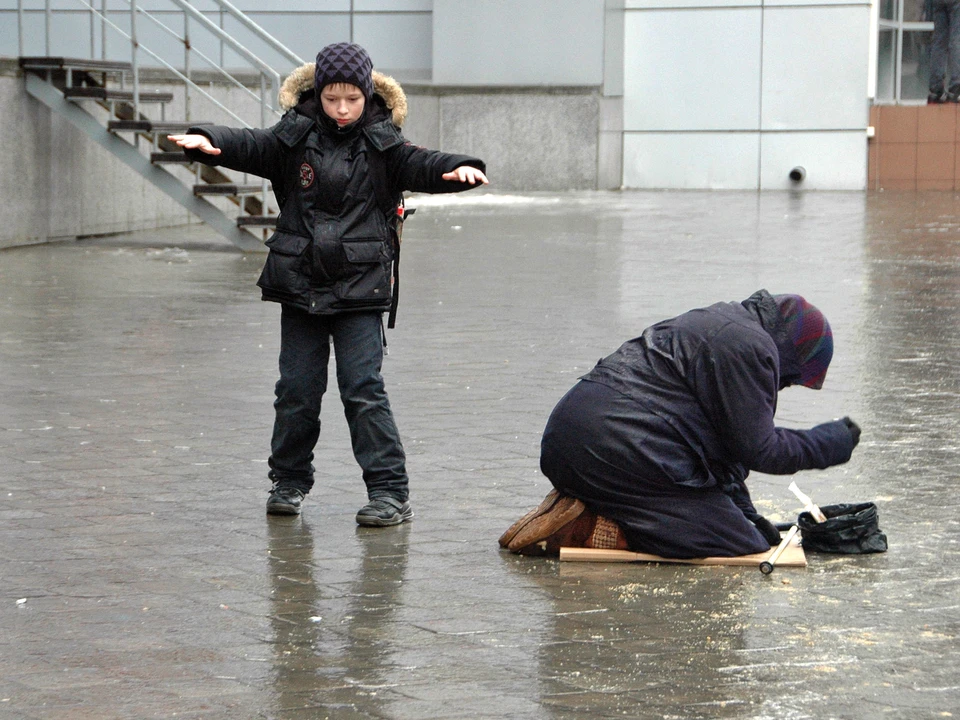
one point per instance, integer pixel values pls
(358, 345)
(304, 354)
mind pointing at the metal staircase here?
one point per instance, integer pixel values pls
(136, 128)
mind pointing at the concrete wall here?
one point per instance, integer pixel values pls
(56, 183)
(727, 94)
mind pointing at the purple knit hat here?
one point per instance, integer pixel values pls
(812, 338)
(344, 63)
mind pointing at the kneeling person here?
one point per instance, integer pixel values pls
(651, 449)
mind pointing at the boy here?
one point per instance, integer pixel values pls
(338, 165)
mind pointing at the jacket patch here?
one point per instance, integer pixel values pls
(307, 176)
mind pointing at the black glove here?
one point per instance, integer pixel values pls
(853, 428)
(767, 529)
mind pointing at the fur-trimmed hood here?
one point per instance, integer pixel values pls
(302, 79)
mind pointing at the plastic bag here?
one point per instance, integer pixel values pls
(850, 529)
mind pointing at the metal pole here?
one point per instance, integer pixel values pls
(186, 65)
(93, 32)
(133, 52)
(46, 27)
(263, 123)
(103, 29)
(20, 28)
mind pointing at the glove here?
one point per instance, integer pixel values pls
(767, 529)
(853, 428)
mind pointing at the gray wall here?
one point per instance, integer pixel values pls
(55, 183)
(757, 89)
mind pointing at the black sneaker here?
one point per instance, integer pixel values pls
(953, 94)
(383, 512)
(284, 501)
(937, 98)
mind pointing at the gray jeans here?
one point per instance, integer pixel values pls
(945, 47)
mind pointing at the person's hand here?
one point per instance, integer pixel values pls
(195, 142)
(767, 529)
(466, 174)
(853, 428)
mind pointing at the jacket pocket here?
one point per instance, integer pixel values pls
(368, 285)
(285, 272)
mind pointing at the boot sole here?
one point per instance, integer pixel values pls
(282, 510)
(373, 521)
(553, 513)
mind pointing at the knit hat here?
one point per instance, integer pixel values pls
(808, 330)
(344, 63)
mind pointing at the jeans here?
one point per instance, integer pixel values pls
(945, 45)
(304, 355)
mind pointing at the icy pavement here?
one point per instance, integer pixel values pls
(142, 579)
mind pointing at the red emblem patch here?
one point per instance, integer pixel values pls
(306, 176)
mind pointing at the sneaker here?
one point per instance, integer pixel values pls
(937, 98)
(383, 512)
(284, 501)
(953, 95)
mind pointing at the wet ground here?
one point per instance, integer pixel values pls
(142, 579)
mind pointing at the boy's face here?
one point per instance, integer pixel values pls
(342, 102)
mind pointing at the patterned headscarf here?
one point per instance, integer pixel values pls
(812, 338)
(344, 63)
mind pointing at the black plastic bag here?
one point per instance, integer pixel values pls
(850, 529)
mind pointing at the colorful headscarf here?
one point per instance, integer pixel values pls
(812, 338)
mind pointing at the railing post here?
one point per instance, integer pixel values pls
(93, 32)
(103, 29)
(46, 28)
(134, 60)
(20, 28)
(186, 65)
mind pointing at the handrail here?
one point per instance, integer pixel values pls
(257, 30)
(269, 78)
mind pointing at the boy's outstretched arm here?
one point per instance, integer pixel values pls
(195, 142)
(467, 174)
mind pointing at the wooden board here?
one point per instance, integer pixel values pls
(792, 556)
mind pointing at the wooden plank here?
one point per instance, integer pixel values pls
(227, 189)
(56, 62)
(257, 220)
(793, 556)
(103, 94)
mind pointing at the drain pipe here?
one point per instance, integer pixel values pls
(798, 174)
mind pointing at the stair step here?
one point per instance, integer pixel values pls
(170, 127)
(96, 93)
(169, 157)
(134, 125)
(257, 220)
(226, 189)
(64, 63)
(162, 127)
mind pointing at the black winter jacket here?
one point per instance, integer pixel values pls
(709, 378)
(338, 191)
(660, 436)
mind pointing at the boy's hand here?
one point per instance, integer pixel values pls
(466, 174)
(195, 142)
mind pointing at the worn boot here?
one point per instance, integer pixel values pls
(384, 512)
(561, 521)
(284, 500)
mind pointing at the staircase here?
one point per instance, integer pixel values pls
(136, 126)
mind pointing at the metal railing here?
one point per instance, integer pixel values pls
(269, 79)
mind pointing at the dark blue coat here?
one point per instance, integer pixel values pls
(661, 434)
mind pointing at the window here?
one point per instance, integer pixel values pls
(903, 52)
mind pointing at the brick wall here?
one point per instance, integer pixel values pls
(914, 147)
